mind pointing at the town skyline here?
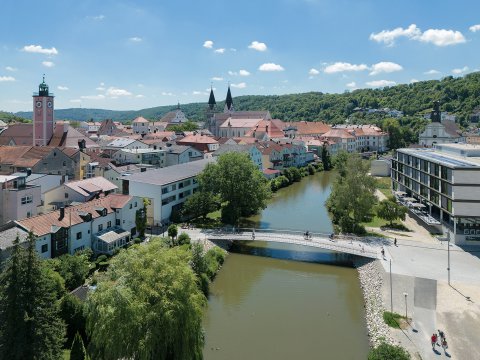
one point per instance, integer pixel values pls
(175, 52)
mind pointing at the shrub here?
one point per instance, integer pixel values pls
(392, 319)
(311, 169)
(388, 352)
(204, 283)
(137, 240)
(183, 239)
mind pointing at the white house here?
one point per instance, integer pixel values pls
(125, 143)
(75, 228)
(166, 188)
(141, 156)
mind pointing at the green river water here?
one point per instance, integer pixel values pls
(280, 301)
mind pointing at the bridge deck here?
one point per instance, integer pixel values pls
(322, 241)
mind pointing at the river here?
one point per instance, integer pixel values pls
(290, 302)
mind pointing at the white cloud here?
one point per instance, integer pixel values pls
(208, 44)
(352, 85)
(93, 97)
(115, 92)
(233, 50)
(343, 66)
(388, 37)
(97, 17)
(474, 28)
(241, 85)
(77, 101)
(259, 46)
(432, 72)
(100, 88)
(270, 67)
(199, 93)
(313, 72)
(217, 78)
(63, 88)
(385, 67)
(6, 78)
(460, 71)
(102, 84)
(135, 39)
(243, 73)
(40, 50)
(438, 37)
(164, 93)
(48, 64)
(413, 81)
(442, 37)
(219, 51)
(10, 68)
(381, 83)
(139, 96)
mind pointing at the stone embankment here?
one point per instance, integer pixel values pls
(371, 284)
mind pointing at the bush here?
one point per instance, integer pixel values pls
(214, 258)
(204, 283)
(137, 240)
(311, 169)
(392, 319)
(183, 239)
(388, 352)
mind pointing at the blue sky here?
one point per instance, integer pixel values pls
(136, 54)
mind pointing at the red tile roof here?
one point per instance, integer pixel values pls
(41, 224)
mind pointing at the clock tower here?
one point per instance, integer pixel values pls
(42, 115)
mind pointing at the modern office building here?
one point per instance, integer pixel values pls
(443, 185)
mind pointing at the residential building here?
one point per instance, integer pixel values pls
(104, 225)
(116, 174)
(202, 143)
(175, 117)
(181, 154)
(18, 199)
(8, 233)
(78, 191)
(253, 152)
(166, 188)
(305, 128)
(155, 157)
(140, 125)
(125, 143)
(445, 181)
(90, 127)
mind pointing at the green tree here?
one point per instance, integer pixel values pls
(172, 232)
(396, 136)
(72, 268)
(30, 325)
(151, 303)
(141, 218)
(183, 239)
(201, 203)
(241, 187)
(197, 261)
(353, 195)
(326, 160)
(388, 352)
(78, 349)
(71, 311)
(390, 211)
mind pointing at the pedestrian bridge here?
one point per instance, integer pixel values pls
(342, 244)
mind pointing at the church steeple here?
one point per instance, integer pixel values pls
(229, 100)
(435, 115)
(211, 99)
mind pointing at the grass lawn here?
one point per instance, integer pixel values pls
(395, 320)
(384, 184)
(375, 222)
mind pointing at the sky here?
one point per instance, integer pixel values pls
(129, 55)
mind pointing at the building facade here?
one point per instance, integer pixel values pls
(445, 181)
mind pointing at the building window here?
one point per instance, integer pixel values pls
(66, 195)
(100, 227)
(117, 222)
(44, 248)
(130, 206)
(79, 235)
(27, 199)
(29, 214)
(135, 204)
(109, 224)
(164, 190)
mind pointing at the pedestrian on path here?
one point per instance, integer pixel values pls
(441, 334)
(434, 340)
(444, 344)
(383, 252)
(395, 241)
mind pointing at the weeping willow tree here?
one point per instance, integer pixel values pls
(148, 307)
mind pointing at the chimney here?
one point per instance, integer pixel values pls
(29, 171)
(66, 124)
(62, 213)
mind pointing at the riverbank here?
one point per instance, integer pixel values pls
(371, 282)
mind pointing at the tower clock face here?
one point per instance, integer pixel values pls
(38, 104)
(49, 104)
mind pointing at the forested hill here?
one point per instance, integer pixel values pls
(460, 96)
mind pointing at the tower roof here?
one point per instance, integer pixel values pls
(229, 100)
(43, 88)
(211, 99)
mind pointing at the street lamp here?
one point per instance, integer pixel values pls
(391, 288)
(406, 313)
(448, 251)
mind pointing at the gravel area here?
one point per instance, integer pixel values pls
(371, 284)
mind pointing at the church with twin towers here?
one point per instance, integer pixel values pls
(231, 123)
